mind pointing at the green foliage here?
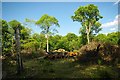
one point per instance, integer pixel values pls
(68, 42)
(72, 40)
(87, 13)
(109, 38)
(34, 42)
(6, 38)
(45, 22)
(71, 36)
(113, 37)
(63, 43)
(25, 33)
(83, 37)
(54, 42)
(15, 24)
(101, 37)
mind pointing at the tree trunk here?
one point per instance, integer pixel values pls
(19, 59)
(47, 44)
(88, 39)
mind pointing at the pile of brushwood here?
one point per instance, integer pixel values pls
(100, 53)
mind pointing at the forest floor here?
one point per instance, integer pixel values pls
(61, 68)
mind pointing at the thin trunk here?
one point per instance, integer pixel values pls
(88, 39)
(47, 30)
(47, 44)
(88, 29)
(19, 59)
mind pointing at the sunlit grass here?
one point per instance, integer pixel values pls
(64, 68)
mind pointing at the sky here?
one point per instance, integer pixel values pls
(60, 0)
(63, 12)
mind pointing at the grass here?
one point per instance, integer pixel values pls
(61, 68)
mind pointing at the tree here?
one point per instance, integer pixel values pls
(101, 37)
(37, 40)
(71, 36)
(6, 46)
(113, 38)
(54, 40)
(63, 43)
(88, 16)
(25, 33)
(45, 23)
(72, 40)
(17, 27)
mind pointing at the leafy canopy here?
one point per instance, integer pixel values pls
(86, 14)
(45, 22)
(15, 24)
